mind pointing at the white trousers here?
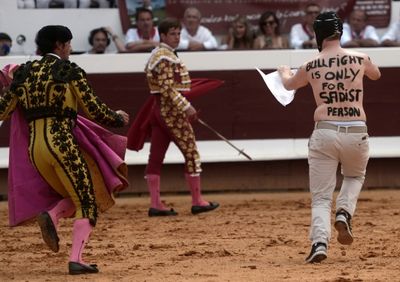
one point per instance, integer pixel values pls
(328, 148)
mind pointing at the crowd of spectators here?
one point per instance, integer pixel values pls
(241, 35)
(65, 4)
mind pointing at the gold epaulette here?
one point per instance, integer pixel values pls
(160, 54)
(65, 71)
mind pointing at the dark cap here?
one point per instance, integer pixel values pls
(326, 25)
(47, 37)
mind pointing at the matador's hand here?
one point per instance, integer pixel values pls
(191, 113)
(124, 115)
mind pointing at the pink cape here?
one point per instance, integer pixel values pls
(28, 193)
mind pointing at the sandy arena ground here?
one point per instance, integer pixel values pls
(252, 237)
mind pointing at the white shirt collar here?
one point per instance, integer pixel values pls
(54, 55)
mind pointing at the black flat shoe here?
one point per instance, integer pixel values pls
(49, 231)
(157, 212)
(76, 268)
(199, 209)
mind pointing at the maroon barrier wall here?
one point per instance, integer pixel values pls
(243, 108)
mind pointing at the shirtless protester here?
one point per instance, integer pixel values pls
(340, 134)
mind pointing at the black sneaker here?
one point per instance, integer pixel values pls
(318, 253)
(343, 226)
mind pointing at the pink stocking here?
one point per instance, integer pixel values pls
(64, 208)
(153, 183)
(80, 236)
(195, 189)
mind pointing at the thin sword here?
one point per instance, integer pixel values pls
(223, 138)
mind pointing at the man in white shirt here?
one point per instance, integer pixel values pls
(357, 33)
(392, 37)
(195, 37)
(302, 34)
(145, 37)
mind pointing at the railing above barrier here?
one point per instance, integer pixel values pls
(211, 60)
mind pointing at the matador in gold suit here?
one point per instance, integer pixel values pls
(48, 92)
(168, 78)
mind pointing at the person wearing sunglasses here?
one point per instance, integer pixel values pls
(302, 34)
(269, 33)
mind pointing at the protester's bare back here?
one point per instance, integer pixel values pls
(336, 77)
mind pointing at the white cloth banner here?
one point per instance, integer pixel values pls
(274, 84)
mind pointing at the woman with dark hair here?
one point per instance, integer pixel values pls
(270, 36)
(241, 35)
(48, 93)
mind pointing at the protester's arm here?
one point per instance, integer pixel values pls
(293, 81)
(371, 70)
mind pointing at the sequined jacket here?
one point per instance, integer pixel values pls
(168, 76)
(54, 88)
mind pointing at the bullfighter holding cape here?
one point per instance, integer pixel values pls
(60, 164)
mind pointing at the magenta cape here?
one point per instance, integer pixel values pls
(141, 128)
(29, 194)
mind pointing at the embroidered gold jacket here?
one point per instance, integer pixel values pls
(54, 88)
(168, 76)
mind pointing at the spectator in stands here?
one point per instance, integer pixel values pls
(147, 4)
(302, 34)
(145, 37)
(26, 4)
(270, 36)
(195, 37)
(392, 36)
(99, 39)
(42, 4)
(56, 4)
(357, 33)
(5, 44)
(240, 35)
